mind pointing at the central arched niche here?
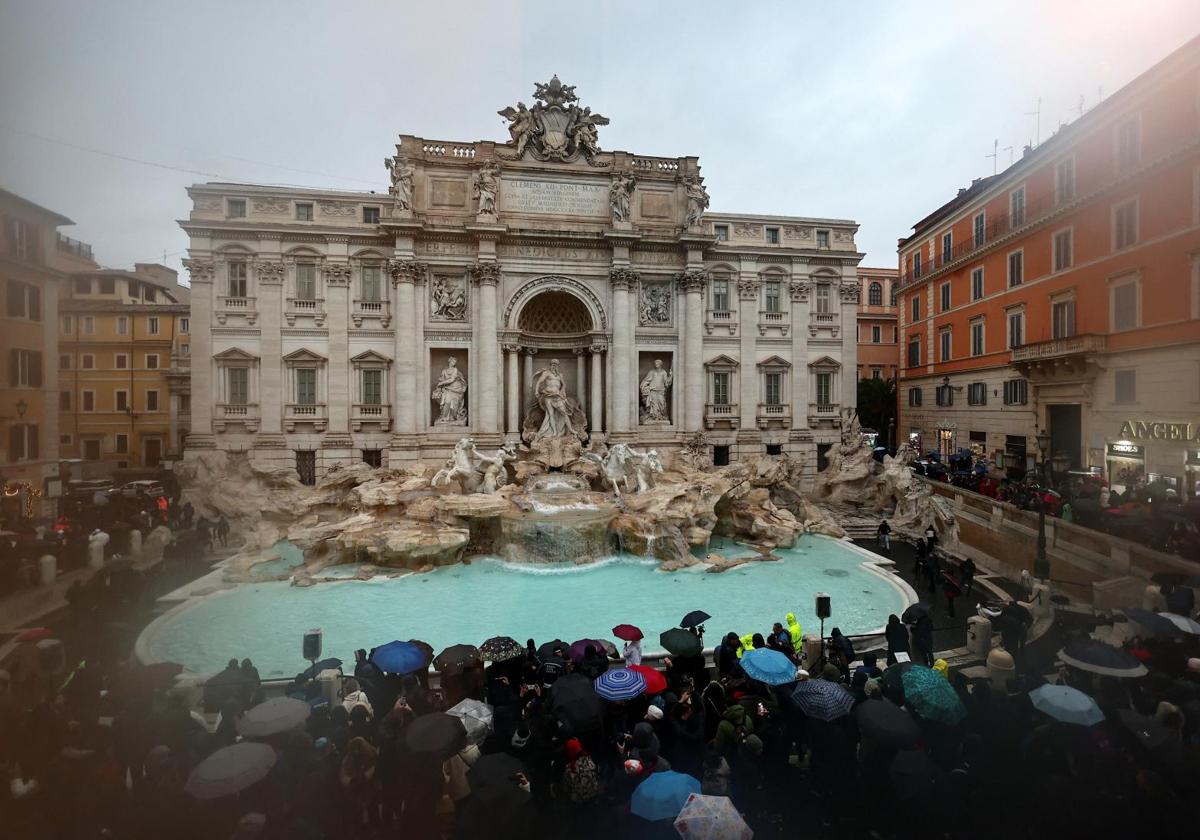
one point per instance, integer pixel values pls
(554, 312)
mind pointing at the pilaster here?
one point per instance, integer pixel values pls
(201, 272)
(693, 283)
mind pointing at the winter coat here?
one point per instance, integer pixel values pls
(633, 653)
(747, 644)
(897, 638)
(735, 725)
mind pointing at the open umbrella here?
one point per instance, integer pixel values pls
(1066, 705)
(35, 634)
(663, 795)
(887, 723)
(501, 649)
(477, 718)
(619, 684)
(456, 659)
(768, 666)
(1098, 658)
(695, 618)
(551, 650)
(579, 649)
(931, 696)
(822, 699)
(575, 702)
(711, 818)
(1185, 624)
(310, 673)
(438, 735)
(892, 684)
(914, 775)
(493, 769)
(680, 642)
(656, 683)
(1152, 622)
(230, 770)
(1150, 733)
(400, 657)
(628, 633)
(914, 612)
(279, 714)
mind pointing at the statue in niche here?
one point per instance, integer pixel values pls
(697, 200)
(655, 307)
(555, 415)
(620, 196)
(450, 391)
(654, 394)
(487, 186)
(402, 173)
(448, 301)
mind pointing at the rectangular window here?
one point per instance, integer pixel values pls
(1064, 180)
(152, 400)
(1125, 305)
(151, 361)
(89, 325)
(121, 400)
(152, 325)
(235, 208)
(1015, 392)
(977, 393)
(1016, 268)
(945, 340)
(916, 264)
(87, 361)
(823, 297)
(876, 373)
(945, 295)
(64, 361)
(122, 325)
(772, 236)
(914, 351)
(1128, 144)
(947, 247)
(720, 295)
(822, 239)
(774, 385)
(306, 386)
(373, 457)
(876, 334)
(370, 215)
(64, 400)
(1063, 247)
(185, 325)
(23, 442)
(944, 395)
(20, 239)
(304, 212)
(83, 285)
(372, 385)
(89, 400)
(977, 338)
(914, 397)
(372, 283)
(185, 350)
(916, 307)
(24, 301)
(1016, 329)
(771, 295)
(1062, 316)
(149, 294)
(1125, 225)
(1016, 207)
(306, 281)
(67, 324)
(824, 389)
(25, 368)
(720, 384)
(122, 443)
(978, 229)
(977, 283)
(722, 232)
(121, 361)
(237, 279)
(108, 286)
(238, 381)
(1126, 386)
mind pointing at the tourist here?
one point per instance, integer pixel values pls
(896, 635)
(930, 537)
(632, 652)
(796, 633)
(251, 681)
(951, 588)
(727, 655)
(222, 530)
(884, 532)
(841, 652)
(869, 667)
(922, 640)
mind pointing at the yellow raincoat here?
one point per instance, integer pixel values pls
(793, 627)
(747, 643)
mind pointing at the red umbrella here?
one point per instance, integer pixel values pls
(656, 683)
(628, 633)
(144, 679)
(36, 634)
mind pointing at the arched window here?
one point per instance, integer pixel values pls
(875, 295)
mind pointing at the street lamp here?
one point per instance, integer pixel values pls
(22, 407)
(1041, 563)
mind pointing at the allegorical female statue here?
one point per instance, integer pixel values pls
(654, 393)
(450, 391)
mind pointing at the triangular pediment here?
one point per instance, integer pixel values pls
(304, 355)
(235, 354)
(775, 361)
(825, 362)
(722, 361)
(371, 357)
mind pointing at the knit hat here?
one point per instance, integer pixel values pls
(633, 767)
(654, 713)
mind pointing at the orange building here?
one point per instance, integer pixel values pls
(877, 333)
(1064, 294)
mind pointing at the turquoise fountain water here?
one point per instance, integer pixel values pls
(489, 597)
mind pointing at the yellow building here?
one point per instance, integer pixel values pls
(123, 367)
(34, 260)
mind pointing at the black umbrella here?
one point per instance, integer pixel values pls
(1151, 734)
(1098, 658)
(456, 659)
(551, 650)
(1170, 578)
(493, 769)
(498, 811)
(310, 673)
(576, 703)
(679, 642)
(914, 613)
(501, 649)
(913, 774)
(887, 723)
(695, 618)
(437, 734)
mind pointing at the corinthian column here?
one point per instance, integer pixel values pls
(513, 395)
(486, 275)
(581, 377)
(622, 280)
(692, 284)
(597, 383)
(404, 277)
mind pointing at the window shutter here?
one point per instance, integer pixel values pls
(13, 296)
(14, 442)
(35, 303)
(35, 368)
(32, 454)
(14, 368)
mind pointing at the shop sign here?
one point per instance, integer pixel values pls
(1125, 449)
(1145, 430)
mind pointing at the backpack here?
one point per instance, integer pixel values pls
(582, 780)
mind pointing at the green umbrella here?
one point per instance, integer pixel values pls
(679, 642)
(930, 696)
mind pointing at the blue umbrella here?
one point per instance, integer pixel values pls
(1098, 658)
(822, 699)
(768, 666)
(1152, 621)
(931, 696)
(619, 684)
(663, 795)
(399, 657)
(1066, 704)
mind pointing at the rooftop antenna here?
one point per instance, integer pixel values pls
(1080, 108)
(995, 148)
(1037, 113)
(1009, 149)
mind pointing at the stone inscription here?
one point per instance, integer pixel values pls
(525, 195)
(550, 252)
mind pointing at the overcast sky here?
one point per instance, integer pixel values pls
(878, 114)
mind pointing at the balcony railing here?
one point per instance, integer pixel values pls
(74, 247)
(1059, 347)
(822, 411)
(721, 413)
(722, 319)
(315, 413)
(229, 305)
(371, 309)
(781, 412)
(772, 317)
(244, 413)
(371, 413)
(305, 306)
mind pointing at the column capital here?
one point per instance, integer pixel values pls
(623, 279)
(748, 288)
(850, 292)
(511, 348)
(598, 348)
(529, 351)
(485, 273)
(200, 271)
(691, 281)
(580, 351)
(407, 271)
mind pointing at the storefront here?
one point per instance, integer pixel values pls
(1192, 474)
(1125, 465)
(1153, 451)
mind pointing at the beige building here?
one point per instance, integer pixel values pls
(331, 327)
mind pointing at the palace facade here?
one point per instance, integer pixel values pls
(330, 327)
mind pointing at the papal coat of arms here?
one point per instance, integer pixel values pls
(555, 128)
